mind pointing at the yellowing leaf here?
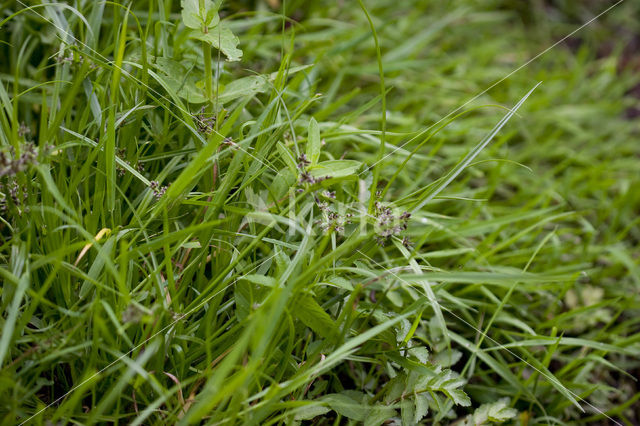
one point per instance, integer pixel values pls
(103, 232)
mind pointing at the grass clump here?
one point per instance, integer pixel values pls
(223, 213)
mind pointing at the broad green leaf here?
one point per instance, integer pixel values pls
(339, 282)
(244, 298)
(188, 90)
(447, 357)
(261, 280)
(191, 88)
(196, 19)
(284, 180)
(378, 414)
(396, 388)
(243, 87)
(310, 411)
(353, 405)
(347, 406)
(313, 316)
(171, 67)
(185, 85)
(222, 39)
(313, 142)
(335, 168)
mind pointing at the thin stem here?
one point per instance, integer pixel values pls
(383, 93)
(206, 49)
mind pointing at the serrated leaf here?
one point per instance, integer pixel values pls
(192, 17)
(494, 412)
(222, 38)
(313, 142)
(458, 396)
(403, 330)
(313, 316)
(446, 382)
(421, 353)
(422, 406)
(407, 411)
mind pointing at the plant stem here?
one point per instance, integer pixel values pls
(206, 48)
(383, 93)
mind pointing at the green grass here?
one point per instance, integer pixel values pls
(225, 241)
